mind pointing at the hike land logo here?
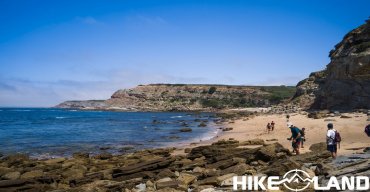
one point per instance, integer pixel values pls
(298, 180)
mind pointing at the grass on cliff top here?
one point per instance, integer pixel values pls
(279, 93)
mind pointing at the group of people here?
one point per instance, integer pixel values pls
(333, 139)
(270, 126)
(298, 137)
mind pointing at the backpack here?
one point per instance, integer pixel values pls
(367, 130)
(337, 138)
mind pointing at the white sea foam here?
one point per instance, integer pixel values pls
(176, 116)
(60, 117)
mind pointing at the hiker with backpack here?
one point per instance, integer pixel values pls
(333, 139)
(268, 127)
(272, 125)
(303, 138)
(295, 138)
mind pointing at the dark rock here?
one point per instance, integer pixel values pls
(202, 124)
(253, 142)
(269, 152)
(280, 167)
(144, 166)
(126, 149)
(12, 183)
(104, 148)
(15, 159)
(223, 164)
(88, 178)
(227, 129)
(165, 173)
(239, 169)
(103, 156)
(81, 155)
(187, 150)
(367, 150)
(186, 130)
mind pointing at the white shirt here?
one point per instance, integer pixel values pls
(330, 136)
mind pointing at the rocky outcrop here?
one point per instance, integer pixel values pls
(184, 97)
(345, 83)
(307, 89)
(89, 104)
(208, 167)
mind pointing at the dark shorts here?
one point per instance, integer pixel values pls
(296, 144)
(332, 148)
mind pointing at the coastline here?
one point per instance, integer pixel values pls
(207, 165)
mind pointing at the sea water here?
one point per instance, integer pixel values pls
(50, 132)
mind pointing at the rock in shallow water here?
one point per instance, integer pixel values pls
(186, 130)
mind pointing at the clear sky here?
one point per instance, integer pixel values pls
(51, 51)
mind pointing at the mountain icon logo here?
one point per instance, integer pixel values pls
(296, 180)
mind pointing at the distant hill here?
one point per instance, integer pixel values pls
(188, 97)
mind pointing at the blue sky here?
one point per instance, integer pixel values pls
(51, 51)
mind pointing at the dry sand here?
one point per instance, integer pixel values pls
(351, 129)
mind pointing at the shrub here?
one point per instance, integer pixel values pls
(212, 90)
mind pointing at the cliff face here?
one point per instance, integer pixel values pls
(182, 97)
(345, 83)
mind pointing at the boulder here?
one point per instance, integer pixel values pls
(165, 173)
(186, 178)
(280, 167)
(166, 183)
(32, 174)
(198, 170)
(227, 129)
(80, 155)
(224, 179)
(318, 147)
(253, 142)
(186, 130)
(239, 169)
(271, 152)
(5, 170)
(15, 159)
(202, 124)
(11, 175)
(74, 172)
(103, 156)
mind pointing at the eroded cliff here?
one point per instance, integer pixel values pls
(345, 83)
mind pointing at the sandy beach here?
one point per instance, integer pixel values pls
(354, 139)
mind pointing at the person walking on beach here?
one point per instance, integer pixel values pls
(303, 136)
(295, 138)
(330, 140)
(272, 126)
(268, 127)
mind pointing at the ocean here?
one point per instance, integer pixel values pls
(50, 132)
